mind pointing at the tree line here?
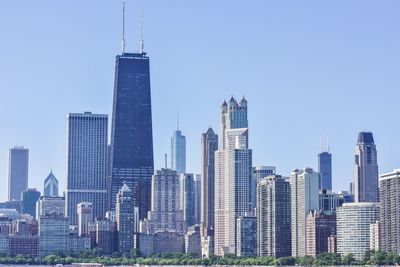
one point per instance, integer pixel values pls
(94, 256)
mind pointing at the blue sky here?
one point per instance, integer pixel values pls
(307, 68)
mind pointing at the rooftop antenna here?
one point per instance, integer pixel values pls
(177, 120)
(320, 143)
(123, 44)
(141, 34)
(165, 159)
(327, 144)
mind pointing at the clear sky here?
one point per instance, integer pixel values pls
(307, 68)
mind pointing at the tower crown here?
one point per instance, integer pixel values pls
(365, 137)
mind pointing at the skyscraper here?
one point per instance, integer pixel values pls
(197, 198)
(126, 219)
(50, 187)
(87, 162)
(304, 198)
(17, 172)
(209, 144)
(29, 198)
(389, 214)
(273, 215)
(178, 152)
(166, 213)
(131, 133)
(233, 172)
(320, 227)
(366, 169)
(187, 198)
(259, 172)
(325, 170)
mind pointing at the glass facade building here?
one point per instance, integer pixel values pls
(17, 172)
(325, 170)
(178, 152)
(131, 150)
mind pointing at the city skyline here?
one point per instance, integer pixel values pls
(48, 148)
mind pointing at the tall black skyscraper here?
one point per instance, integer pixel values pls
(131, 153)
(325, 170)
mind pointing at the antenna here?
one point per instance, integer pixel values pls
(123, 44)
(177, 120)
(327, 144)
(165, 159)
(141, 34)
(320, 143)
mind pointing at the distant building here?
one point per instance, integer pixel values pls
(29, 198)
(50, 206)
(329, 201)
(77, 243)
(188, 198)
(105, 235)
(246, 236)
(374, 238)
(50, 187)
(320, 227)
(24, 245)
(127, 219)
(389, 215)
(85, 216)
(87, 162)
(325, 170)
(18, 161)
(304, 197)
(160, 242)
(233, 175)
(197, 198)
(259, 173)
(178, 152)
(366, 169)
(353, 227)
(193, 241)
(274, 217)
(166, 213)
(332, 244)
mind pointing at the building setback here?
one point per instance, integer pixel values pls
(87, 163)
(259, 173)
(273, 216)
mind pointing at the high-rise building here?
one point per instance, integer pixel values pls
(246, 238)
(366, 169)
(105, 235)
(50, 187)
(389, 214)
(87, 162)
(131, 153)
(233, 173)
(50, 207)
(29, 198)
(166, 213)
(325, 170)
(304, 197)
(127, 219)
(187, 198)
(197, 198)
(259, 173)
(320, 227)
(273, 215)
(85, 216)
(353, 227)
(18, 158)
(374, 237)
(53, 225)
(178, 152)
(209, 144)
(193, 241)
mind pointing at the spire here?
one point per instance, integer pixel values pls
(123, 44)
(165, 159)
(141, 34)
